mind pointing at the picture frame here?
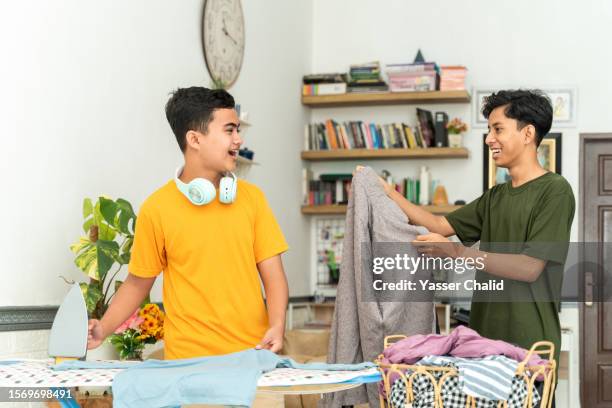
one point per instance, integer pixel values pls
(563, 99)
(549, 155)
(478, 120)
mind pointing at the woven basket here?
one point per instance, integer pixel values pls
(529, 374)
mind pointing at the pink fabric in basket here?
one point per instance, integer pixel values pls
(462, 342)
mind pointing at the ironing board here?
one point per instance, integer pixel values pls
(278, 382)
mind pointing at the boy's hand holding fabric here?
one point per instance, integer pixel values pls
(433, 244)
(272, 340)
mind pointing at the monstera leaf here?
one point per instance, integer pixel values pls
(109, 225)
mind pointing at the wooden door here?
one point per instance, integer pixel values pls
(595, 220)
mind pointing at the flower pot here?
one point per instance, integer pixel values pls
(455, 140)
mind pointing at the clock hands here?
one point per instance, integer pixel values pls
(227, 34)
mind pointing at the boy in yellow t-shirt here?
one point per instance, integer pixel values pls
(212, 246)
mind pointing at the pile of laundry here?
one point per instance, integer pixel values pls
(486, 370)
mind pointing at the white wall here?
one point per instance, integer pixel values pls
(82, 114)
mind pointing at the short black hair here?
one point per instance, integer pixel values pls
(193, 108)
(527, 106)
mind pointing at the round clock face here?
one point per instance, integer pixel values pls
(223, 39)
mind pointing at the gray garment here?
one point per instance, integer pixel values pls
(360, 321)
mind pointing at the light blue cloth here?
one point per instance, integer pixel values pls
(230, 379)
(9, 362)
(488, 377)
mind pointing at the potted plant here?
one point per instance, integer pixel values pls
(455, 129)
(101, 254)
(145, 326)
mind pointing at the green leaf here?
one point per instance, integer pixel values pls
(87, 207)
(127, 245)
(87, 261)
(126, 207)
(79, 246)
(106, 252)
(105, 231)
(92, 297)
(108, 209)
(123, 223)
(125, 215)
(124, 259)
(87, 224)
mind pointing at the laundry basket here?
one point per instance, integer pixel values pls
(529, 374)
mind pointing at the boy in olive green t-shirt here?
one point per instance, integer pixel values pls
(531, 214)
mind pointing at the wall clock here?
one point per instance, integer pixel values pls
(223, 40)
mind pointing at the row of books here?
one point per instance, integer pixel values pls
(328, 189)
(408, 77)
(331, 189)
(365, 78)
(324, 84)
(413, 77)
(430, 132)
(332, 135)
(452, 78)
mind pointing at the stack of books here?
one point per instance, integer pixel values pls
(324, 84)
(328, 189)
(413, 77)
(410, 188)
(452, 77)
(332, 135)
(365, 78)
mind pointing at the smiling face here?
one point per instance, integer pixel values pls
(217, 149)
(506, 141)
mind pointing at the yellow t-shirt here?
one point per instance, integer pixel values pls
(209, 254)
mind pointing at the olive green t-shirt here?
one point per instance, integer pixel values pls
(535, 219)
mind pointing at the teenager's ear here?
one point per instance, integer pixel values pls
(192, 140)
(530, 134)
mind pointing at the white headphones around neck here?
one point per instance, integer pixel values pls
(201, 191)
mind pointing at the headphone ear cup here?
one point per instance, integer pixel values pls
(227, 190)
(201, 191)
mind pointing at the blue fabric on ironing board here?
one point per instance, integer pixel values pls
(229, 379)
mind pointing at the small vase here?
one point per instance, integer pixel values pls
(455, 140)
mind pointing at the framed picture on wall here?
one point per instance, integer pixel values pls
(549, 156)
(564, 103)
(479, 121)
(564, 106)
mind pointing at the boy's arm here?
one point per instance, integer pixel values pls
(277, 295)
(127, 299)
(519, 267)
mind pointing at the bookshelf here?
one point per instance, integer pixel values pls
(341, 209)
(386, 98)
(325, 217)
(373, 154)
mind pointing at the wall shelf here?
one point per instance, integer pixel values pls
(361, 154)
(386, 98)
(341, 209)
